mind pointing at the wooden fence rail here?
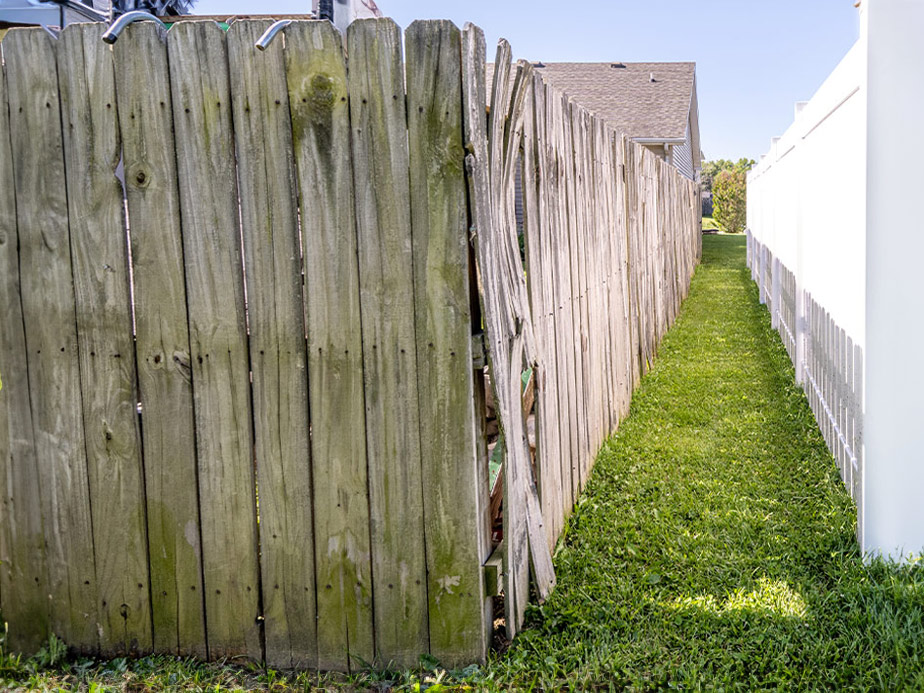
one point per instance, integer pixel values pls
(243, 409)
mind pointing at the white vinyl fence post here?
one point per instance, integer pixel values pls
(894, 370)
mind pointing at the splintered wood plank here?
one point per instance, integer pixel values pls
(479, 167)
(51, 334)
(23, 577)
(444, 344)
(278, 357)
(104, 330)
(492, 164)
(162, 340)
(505, 350)
(218, 340)
(317, 83)
(380, 151)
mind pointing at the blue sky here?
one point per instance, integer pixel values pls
(754, 58)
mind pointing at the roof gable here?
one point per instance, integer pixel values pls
(624, 95)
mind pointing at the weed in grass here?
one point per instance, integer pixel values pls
(713, 548)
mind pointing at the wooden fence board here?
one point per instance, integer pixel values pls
(218, 340)
(562, 129)
(484, 162)
(580, 250)
(619, 259)
(539, 273)
(23, 577)
(561, 305)
(162, 340)
(51, 334)
(380, 151)
(316, 74)
(577, 209)
(474, 122)
(632, 256)
(444, 342)
(108, 376)
(278, 356)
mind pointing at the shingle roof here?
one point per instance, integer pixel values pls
(623, 94)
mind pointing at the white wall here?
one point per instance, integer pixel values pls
(837, 200)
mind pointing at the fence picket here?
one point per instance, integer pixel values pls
(218, 339)
(380, 151)
(48, 306)
(317, 81)
(539, 274)
(278, 357)
(444, 342)
(162, 340)
(23, 577)
(108, 376)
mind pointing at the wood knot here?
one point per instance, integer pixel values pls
(138, 176)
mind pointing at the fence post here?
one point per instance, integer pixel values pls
(893, 435)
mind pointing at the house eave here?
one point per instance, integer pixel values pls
(658, 140)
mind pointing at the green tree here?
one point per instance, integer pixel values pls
(712, 168)
(729, 199)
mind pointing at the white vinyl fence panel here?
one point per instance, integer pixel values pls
(833, 243)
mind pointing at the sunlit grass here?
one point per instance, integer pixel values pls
(770, 598)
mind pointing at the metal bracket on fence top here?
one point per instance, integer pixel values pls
(112, 33)
(267, 38)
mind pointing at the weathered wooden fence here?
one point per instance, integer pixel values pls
(240, 317)
(612, 236)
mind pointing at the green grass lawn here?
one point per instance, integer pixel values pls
(713, 549)
(710, 223)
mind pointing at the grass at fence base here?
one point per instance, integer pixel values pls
(714, 547)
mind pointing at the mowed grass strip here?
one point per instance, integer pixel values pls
(715, 544)
(713, 549)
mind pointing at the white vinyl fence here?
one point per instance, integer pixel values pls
(834, 242)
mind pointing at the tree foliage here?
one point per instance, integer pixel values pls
(729, 199)
(712, 168)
